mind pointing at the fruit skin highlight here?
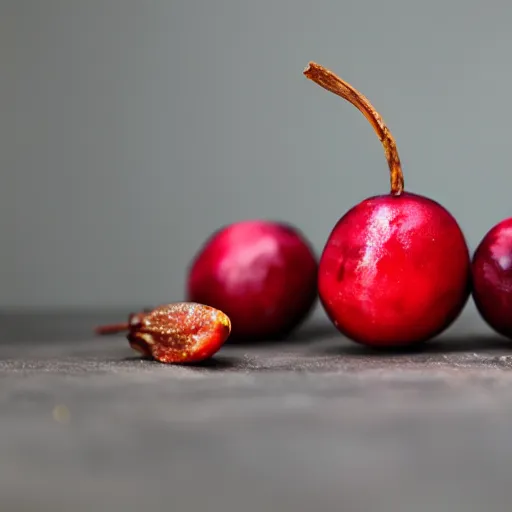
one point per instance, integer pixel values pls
(395, 269)
(261, 273)
(492, 278)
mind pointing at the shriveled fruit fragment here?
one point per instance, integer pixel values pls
(181, 332)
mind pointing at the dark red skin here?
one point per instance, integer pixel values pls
(492, 278)
(395, 271)
(262, 274)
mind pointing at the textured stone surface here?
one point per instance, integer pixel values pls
(312, 424)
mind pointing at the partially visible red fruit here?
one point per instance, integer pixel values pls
(396, 268)
(492, 278)
(262, 274)
(181, 332)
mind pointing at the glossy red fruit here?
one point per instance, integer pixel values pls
(396, 268)
(181, 332)
(262, 274)
(492, 278)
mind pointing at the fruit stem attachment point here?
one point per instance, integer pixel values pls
(328, 80)
(112, 328)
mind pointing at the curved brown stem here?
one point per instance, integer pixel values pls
(328, 80)
(112, 328)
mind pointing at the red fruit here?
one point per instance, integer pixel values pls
(492, 278)
(175, 333)
(396, 268)
(261, 273)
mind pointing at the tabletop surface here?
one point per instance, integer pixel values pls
(313, 423)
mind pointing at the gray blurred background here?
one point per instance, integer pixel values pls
(130, 130)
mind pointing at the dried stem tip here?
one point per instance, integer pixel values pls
(112, 328)
(328, 80)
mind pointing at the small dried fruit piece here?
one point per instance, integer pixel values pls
(182, 332)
